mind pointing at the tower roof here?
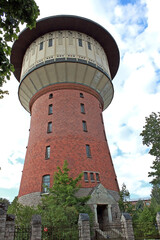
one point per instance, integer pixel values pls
(65, 22)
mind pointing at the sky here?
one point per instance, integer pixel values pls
(135, 27)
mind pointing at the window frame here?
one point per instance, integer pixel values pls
(50, 42)
(48, 152)
(82, 108)
(85, 174)
(41, 46)
(81, 95)
(84, 125)
(80, 43)
(88, 151)
(50, 109)
(45, 183)
(92, 177)
(50, 95)
(97, 177)
(49, 128)
(89, 45)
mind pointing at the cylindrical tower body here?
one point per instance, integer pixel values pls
(65, 67)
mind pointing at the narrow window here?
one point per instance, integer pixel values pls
(84, 126)
(101, 117)
(80, 42)
(86, 176)
(47, 154)
(89, 46)
(92, 177)
(45, 183)
(70, 37)
(49, 129)
(50, 110)
(88, 151)
(50, 96)
(60, 38)
(81, 95)
(41, 46)
(97, 177)
(82, 108)
(50, 42)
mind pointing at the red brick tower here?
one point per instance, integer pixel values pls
(65, 67)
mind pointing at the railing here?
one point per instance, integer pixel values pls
(111, 231)
(22, 233)
(53, 233)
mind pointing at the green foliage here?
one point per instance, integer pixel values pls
(151, 134)
(151, 138)
(145, 216)
(145, 223)
(23, 213)
(12, 14)
(139, 206)
(124, 204)
(155, 198)
(61, 207)
(6, 201)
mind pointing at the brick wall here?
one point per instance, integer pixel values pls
(67, 140)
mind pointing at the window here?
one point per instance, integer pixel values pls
(70, 38)
(45, 183)
(47, 154)
(50, 110)
(40, 46)
(86, 176)
(60, 38)
(82, 108)
(50, 96)
(49, 129)
(92, 177)
(88, 151)
(81, 95)
(50, 42)
(101, 117)
(89, 46)
(84, 126)
(80, 42)
(97, 177)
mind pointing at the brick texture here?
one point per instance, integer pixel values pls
(67, 140)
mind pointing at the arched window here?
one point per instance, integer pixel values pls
(50, 95)
(45, 183)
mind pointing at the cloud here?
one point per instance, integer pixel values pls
(134, 25)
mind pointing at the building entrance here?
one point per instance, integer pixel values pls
(102, 215)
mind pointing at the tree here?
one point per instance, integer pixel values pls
(155, 196)
(124, 204)
(61, 207)
(23, 213)
(12, 14)
(151, 138)
(145, 224)
(6, 201)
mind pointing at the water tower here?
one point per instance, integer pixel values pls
(65, 68)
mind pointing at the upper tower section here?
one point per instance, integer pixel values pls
(65, 49)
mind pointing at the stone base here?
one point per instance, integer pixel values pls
(31, 199)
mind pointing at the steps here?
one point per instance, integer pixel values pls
(112, 234)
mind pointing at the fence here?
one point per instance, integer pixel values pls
(22, 233)
(8, 230)
(50, 233)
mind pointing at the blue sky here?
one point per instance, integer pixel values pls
(135, 27)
